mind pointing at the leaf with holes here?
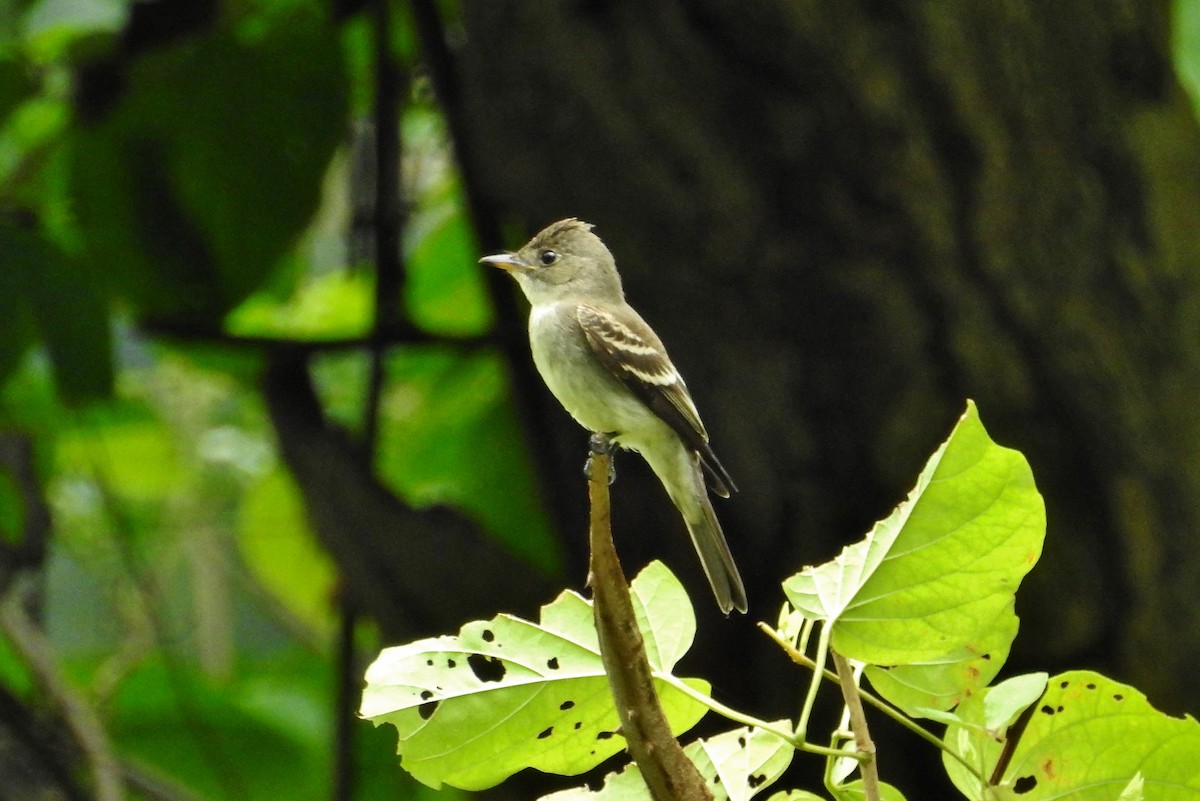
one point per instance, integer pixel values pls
(507, 693)
(737, 765)
(937, 573)
(1092, 738)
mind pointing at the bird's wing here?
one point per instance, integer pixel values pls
(633, 353)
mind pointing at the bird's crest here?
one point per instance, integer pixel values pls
(555, 230)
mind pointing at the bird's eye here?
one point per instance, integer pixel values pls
(548, 257)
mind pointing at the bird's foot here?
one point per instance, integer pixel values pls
(602, 445)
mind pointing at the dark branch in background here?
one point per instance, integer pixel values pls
(87, 730)
(36, 759)
(668, 773)
(24, 549)
(529, 398)
(393, 558)
(391, 83)
(393, 334)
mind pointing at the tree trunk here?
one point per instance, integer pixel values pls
(844, 220)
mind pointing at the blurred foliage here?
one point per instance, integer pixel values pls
(1186, 27)
(199, 171)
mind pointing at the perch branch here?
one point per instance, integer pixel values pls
(668, 773)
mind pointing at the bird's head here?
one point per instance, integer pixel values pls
(564, 260)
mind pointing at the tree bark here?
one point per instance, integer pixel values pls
(844, 220)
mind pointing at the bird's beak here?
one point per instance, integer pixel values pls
(508, 262)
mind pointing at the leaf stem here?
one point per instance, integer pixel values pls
(884, 707)
(788, 737)
(818, 670)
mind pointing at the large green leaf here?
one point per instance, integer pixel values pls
(1090, 736)
(944, 682)
(198, 181)
(69, 313)
(940, 571)
(280, 549)
(507, 693)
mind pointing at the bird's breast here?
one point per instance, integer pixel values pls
(576, 377)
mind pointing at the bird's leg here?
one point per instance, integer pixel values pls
(601, 444)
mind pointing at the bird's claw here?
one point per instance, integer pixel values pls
(601, 445)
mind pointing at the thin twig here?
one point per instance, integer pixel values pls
(869, 764)
(668, 773)
(85, 725)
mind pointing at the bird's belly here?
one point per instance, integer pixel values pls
(597, 400)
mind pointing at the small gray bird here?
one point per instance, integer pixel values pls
(611, 372)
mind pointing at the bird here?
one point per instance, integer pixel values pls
(610, 371)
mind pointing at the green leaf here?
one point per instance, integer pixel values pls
(979, 728)
(445, 292)
(742, 763)
(1135, 790)
(281, 551)
(70, 314)
(450, 436)
(194, 186)
(331, 306)
(737, 765)
(130, 448)
(55, 28)
(854, 792)
(938, 684)
(1008, 699)
(1089, 739)
(937, 573)
(507, 694)
(1186, 30)
(975, 744)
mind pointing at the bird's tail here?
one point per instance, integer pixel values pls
(714, 554)
(680, 471)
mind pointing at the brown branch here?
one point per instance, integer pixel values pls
(84, 723)
(858, 724)
(668, 773)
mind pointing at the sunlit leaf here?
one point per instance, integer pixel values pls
(1090, 737)
(445, 292)
(854, 791)
(132, 451)
(331, 306)
(943, 682)
(736, 765)
(937, 573)
(278, 546)
(507, 693)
